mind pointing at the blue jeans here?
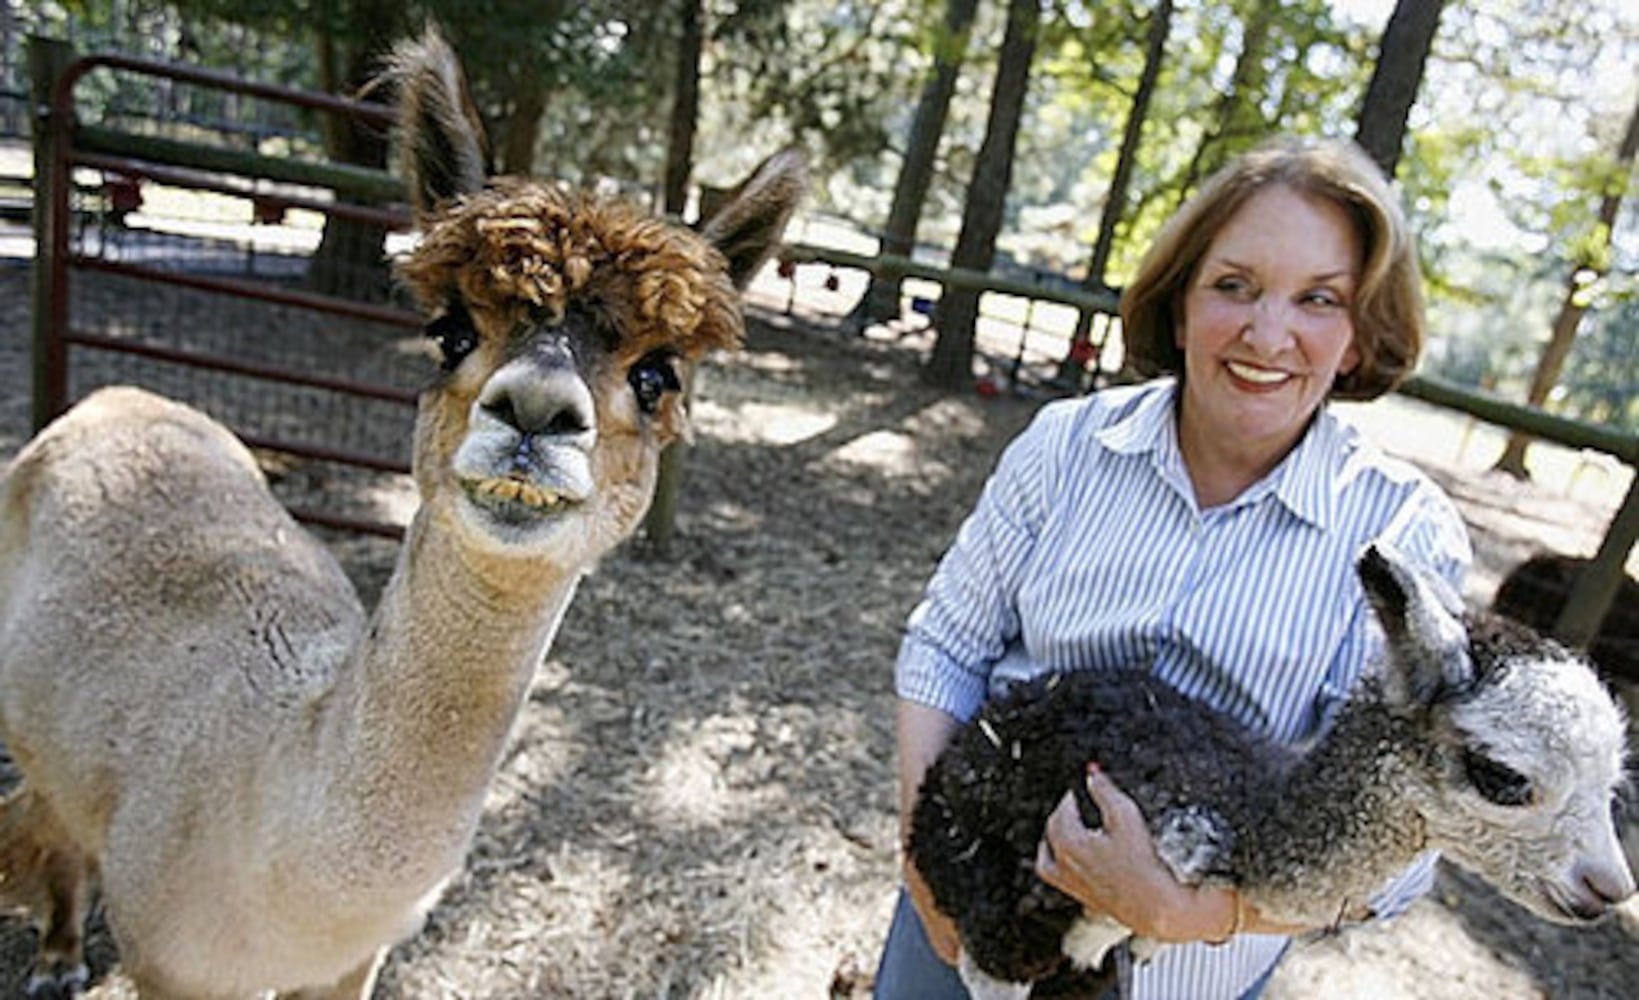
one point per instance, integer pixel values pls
(911, 970)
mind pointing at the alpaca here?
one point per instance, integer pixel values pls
(1477, 737)
(268, 787)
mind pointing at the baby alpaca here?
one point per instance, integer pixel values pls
(271, 787)
(1476, 736)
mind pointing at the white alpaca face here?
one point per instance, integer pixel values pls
(1536, 777)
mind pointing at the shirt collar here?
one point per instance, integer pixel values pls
(1305, 482)
(1149, 426)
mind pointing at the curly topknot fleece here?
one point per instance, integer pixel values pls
(519, 248)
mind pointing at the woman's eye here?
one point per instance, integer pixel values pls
(653, 377)
(454, 335)
(1235, 287)
(1321, 300)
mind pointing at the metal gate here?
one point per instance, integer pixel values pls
(178, 250)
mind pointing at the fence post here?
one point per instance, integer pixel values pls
(47, 59)
(660, 523)
(1596, 586)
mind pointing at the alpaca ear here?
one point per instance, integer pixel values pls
(1428, 655)
(440, 134)
(748, 226)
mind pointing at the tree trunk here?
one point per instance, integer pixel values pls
(1238, 114)
(957, 315)
(881, 299)
(1401, 57)
(1571, 311)
(660, 524)
(685, 108)
(350, 260)
(1115, 199)
(523, 126)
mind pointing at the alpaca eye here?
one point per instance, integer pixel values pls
(1497, 782)
(652, 377)
(455, 335)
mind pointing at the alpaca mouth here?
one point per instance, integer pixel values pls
(514, 500)
(1573, 908)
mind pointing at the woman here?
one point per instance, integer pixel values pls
(1203, 524)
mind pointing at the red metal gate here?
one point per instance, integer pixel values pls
(177, 253)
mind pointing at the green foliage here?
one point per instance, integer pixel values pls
(1509, 149)
(833, 76)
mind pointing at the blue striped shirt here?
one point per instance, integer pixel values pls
(1087, 550)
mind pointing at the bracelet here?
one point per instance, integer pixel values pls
(1236, 922)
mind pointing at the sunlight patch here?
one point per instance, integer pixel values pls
(394, 500)
(687, 784)
(770, 423)
(892, 452)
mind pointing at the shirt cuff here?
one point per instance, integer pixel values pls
(922, 675)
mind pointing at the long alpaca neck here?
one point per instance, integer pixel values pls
(1331, 831)
(414, 730)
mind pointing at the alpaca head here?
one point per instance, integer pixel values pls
(1523, 747)
(565, 323)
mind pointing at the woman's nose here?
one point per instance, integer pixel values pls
(1267, 328)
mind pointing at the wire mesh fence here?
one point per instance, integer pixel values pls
(263, 300)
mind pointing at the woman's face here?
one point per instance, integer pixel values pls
(1267, 325)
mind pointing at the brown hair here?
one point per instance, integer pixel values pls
(1388, 305)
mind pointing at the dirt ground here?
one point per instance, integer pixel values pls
(699, 798)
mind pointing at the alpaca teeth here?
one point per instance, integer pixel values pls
(518, 491)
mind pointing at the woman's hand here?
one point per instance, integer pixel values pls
(1114, 870)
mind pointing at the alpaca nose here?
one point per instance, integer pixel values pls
(1609, 883)
(541, 395)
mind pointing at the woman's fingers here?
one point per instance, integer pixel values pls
(1116, 809)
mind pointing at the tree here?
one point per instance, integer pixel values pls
(350, 260)
(881, 299)
(350, 39)
(957, 315)
(685, 107)
(1590, 263)
(1115, 197)
(829, 73)
(1239, 119)
(660, 523)
(1407, 41)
